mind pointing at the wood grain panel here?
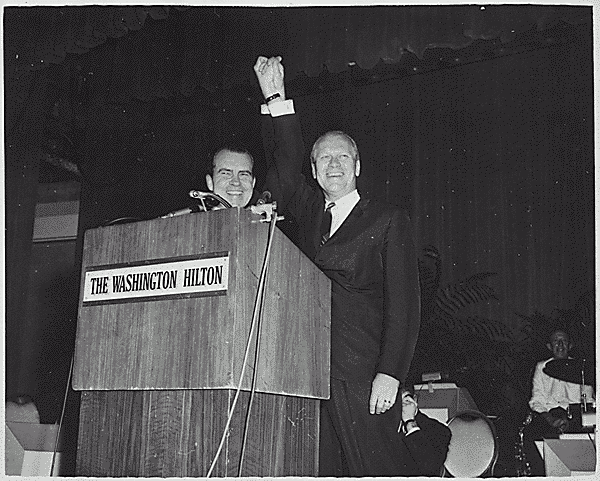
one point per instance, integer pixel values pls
(297, 306)
(176, 434)
(295, 359)
(166, 343)
(199, 343)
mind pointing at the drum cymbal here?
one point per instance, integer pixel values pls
(570, 370)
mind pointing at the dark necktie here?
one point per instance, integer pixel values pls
(326, 223)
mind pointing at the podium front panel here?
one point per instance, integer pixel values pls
(182, 342)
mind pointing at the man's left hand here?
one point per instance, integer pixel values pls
(384, 390)
(409, 406)
(270, 74)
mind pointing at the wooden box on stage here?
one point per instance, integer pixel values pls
(442, 401)
(165, 314)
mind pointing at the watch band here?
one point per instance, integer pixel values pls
(406, 423)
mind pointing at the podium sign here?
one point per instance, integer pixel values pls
(169, 278)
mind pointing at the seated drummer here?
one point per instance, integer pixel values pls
(550, 399)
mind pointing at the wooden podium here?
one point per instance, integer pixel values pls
(165, 313)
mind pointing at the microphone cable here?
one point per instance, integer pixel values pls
(62, 416)
(255, 325)
(258, 336)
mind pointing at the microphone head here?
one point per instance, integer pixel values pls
(265, 198)
(198, 194)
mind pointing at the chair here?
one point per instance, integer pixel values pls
(473, 449)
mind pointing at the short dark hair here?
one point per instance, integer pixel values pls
(238, 149)
(335, 133)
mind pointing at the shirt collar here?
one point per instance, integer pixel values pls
(348, 201)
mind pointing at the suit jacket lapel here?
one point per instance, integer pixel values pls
(347, 226)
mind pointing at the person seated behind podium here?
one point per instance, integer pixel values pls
(426, 439)
(232, 176)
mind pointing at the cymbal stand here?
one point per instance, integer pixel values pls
(583, 395)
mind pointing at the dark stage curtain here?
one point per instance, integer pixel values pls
(335, 37)
(310, 38)
(504, 176)
(22, 150)
(494, 161)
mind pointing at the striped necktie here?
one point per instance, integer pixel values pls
(326, 223)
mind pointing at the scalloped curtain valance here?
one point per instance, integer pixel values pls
(310, 37)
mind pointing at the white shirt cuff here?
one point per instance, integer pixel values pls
(278, 109)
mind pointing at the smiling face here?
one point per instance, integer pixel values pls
(335, 165)
(560, 345)
(232, 177)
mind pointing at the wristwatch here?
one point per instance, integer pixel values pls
(410, 424)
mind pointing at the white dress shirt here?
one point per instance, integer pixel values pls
(342, 208)
(548, 393)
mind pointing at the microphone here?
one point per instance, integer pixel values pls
(265, 198)
(187, 210)
(198, 194)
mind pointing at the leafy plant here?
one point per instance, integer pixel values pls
(493, 361)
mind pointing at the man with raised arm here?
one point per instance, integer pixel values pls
(366, 248)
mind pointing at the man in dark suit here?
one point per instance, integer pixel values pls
(366, 248)
(426, 439)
